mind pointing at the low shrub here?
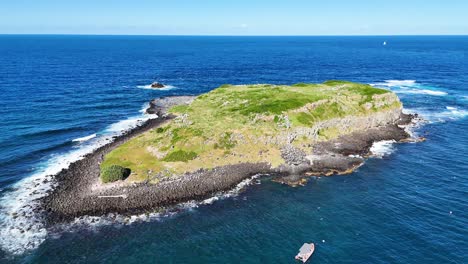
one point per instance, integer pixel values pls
(114, 173)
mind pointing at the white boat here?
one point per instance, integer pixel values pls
(305, 252)
(384, 43)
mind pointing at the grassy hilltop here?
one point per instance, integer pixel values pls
(246, 123)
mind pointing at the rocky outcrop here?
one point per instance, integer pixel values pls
(75, 196)
(157, 85)
(76, 201)
(345, 125)
(159, 106)
(338, 156)
(357, 123)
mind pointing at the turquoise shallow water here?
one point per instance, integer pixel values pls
(407, 207)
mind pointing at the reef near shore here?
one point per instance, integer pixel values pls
(333, 145)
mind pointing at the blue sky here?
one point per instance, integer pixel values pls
(240, 17)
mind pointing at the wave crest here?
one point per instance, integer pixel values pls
(422, 91)
(382, 148)
(400, 82)
(86, 138)
(94, 222)
(409, 87)
(22, 226)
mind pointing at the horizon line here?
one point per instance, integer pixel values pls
(228, 35)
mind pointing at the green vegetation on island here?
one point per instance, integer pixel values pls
(245, 123)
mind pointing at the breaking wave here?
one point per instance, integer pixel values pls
(392, 83)
(382, 148)
(430, 115)
(83, 139)
(422, 91)
(21, 226)
(450, 113)
(409, 87)
(94, 222)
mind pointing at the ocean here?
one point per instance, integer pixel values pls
(62, 96)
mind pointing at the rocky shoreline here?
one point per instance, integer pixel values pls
(79, 192)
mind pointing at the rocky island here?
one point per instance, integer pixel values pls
(157, 85)
(202, 145)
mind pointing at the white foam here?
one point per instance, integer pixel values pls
(143, 108)
(165, 88)
(421, 91)
(399, 82)
(222, 195)
(82, 139)
(128, 124)
(21, 228)
(94, 222)
(210, 200)
(409, 87)
(438, 116)
(382, 148)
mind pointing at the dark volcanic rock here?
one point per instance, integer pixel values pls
(76, 193)
(293, 155)
(406, 118)
(159, 106)
(340, 156)
(157, 85)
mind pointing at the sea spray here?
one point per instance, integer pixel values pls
(22, 226)
(409, 87)
(83, 139)
(432, 115)
(400, 82)
(382, 148)
(118, 220)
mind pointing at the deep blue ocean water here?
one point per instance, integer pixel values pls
(409, 206)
